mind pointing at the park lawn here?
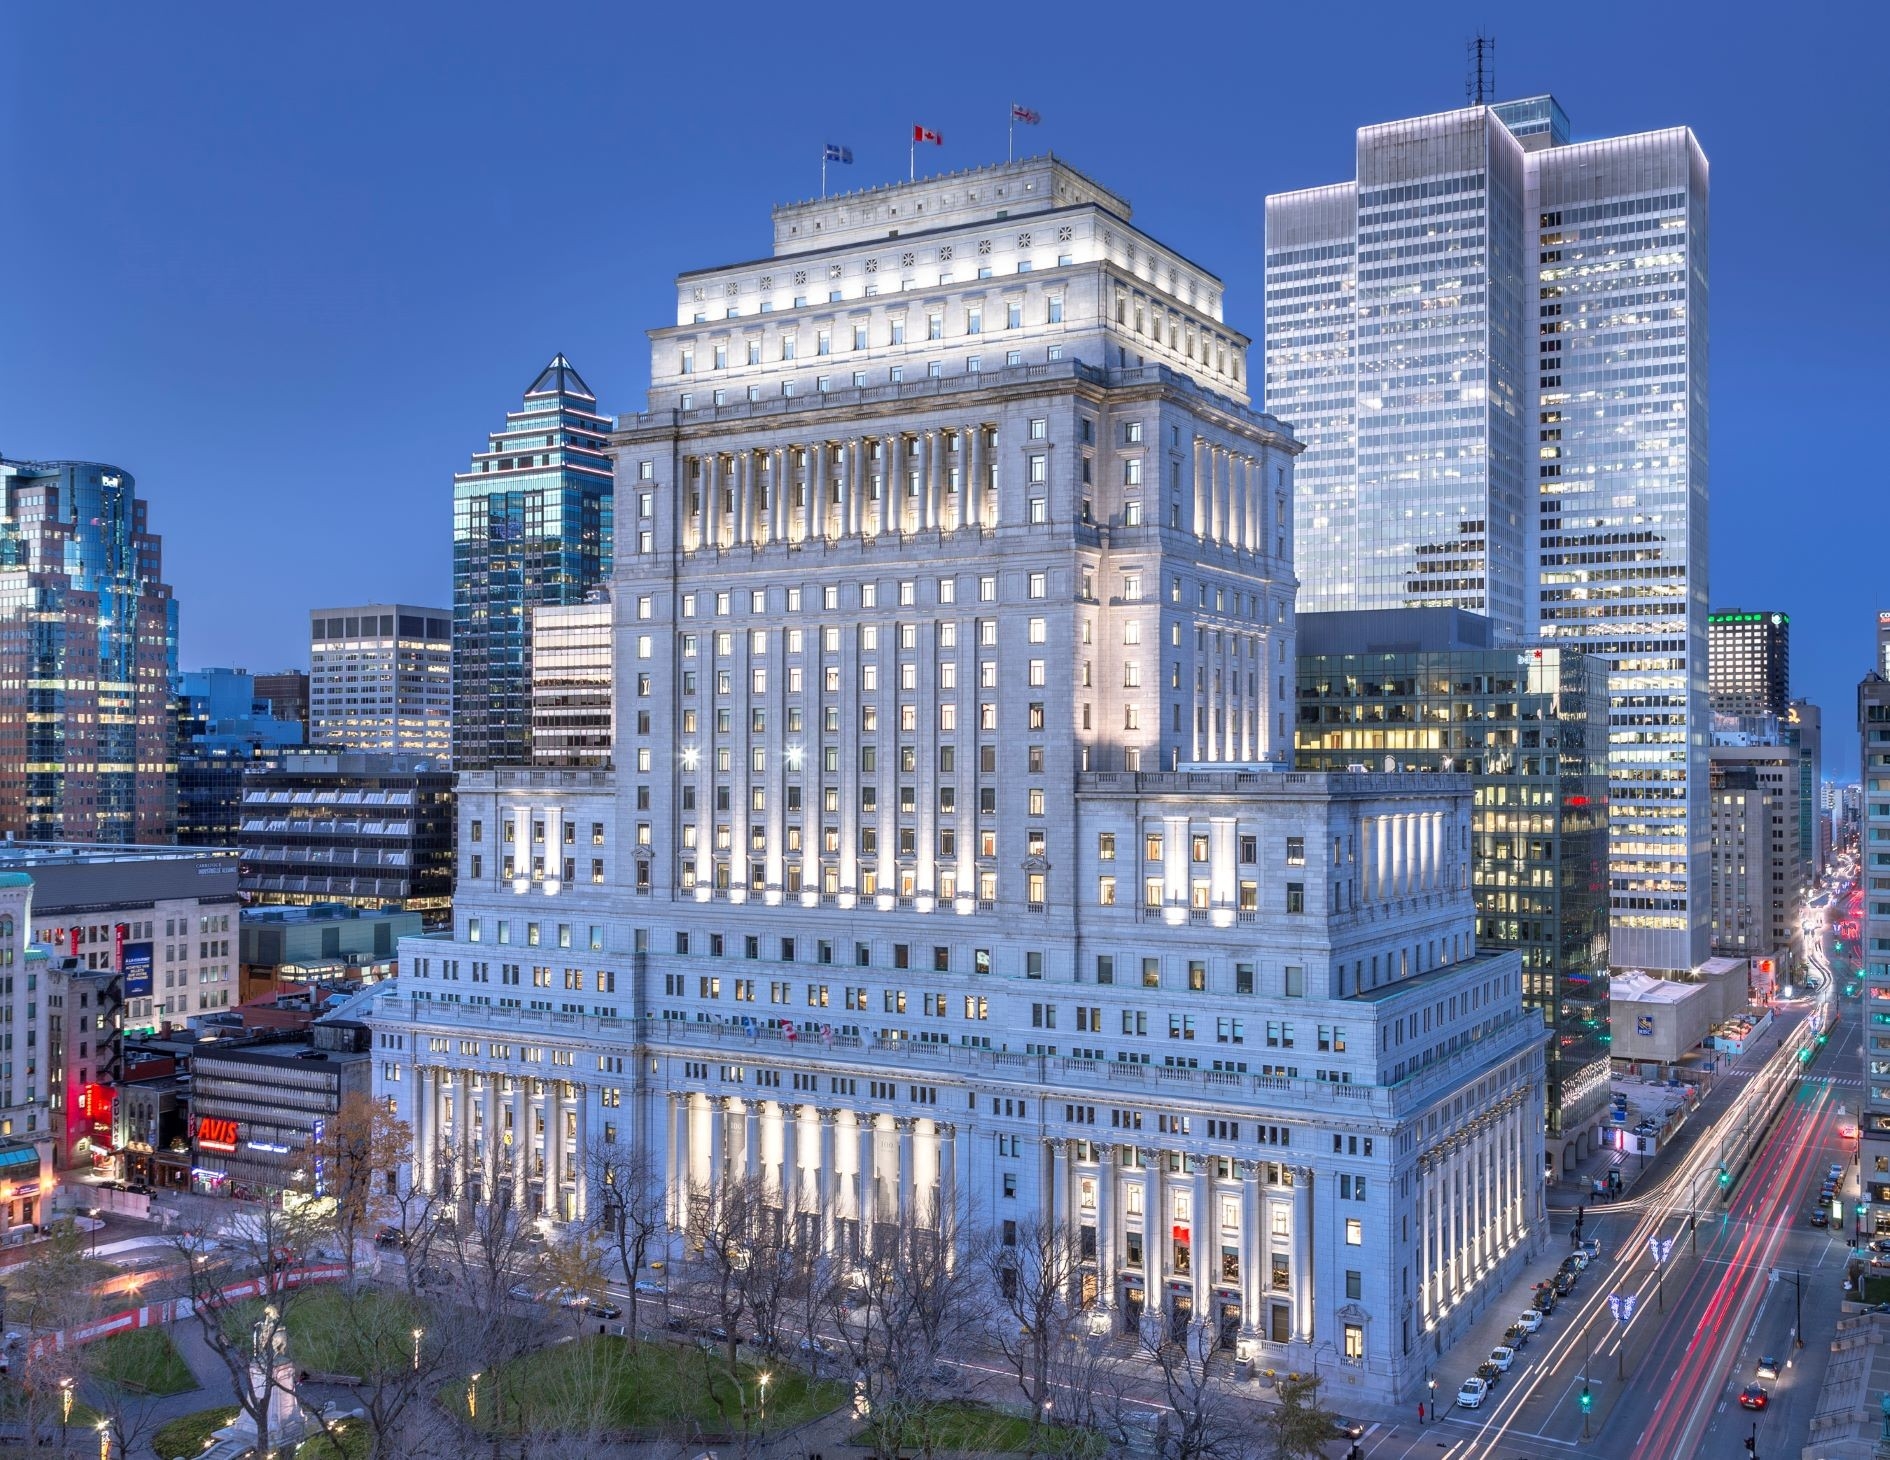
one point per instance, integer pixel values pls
(605, 1384)
(352, 1445)
(335, 1331)
(144, 1361)
(972, 1428)
(189, 1433)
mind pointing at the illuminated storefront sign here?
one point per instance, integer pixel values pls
(216, 1134)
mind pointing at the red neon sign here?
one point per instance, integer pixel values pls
(216, 1134)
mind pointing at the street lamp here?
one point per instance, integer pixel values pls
(418, 1334)
(472, 1397)
(1622, 1306)
(764, 1378)
(1659, 1248)
(1432, 1385)
(104, 1441)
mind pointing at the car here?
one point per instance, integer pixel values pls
(1819, 1216)
(676, 1324)
(1530, 1321)
(649, 1289)
(524, 1292)
(1768, 1367)
(1515, 1336)
(1591, 1248)
(1472, 1395)
(1753, 1396)
(1835, 1172)
(390, 1237)
(1544, 1301)
(96, 1213)
(1347, 1428)
(816, 1348)
(1564, 1284)
(1503, 1356)
(1880, 1244)
(1489, 1373)
(599, 1308)
(1575, 1262)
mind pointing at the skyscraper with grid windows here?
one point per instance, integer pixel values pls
(531, 526)
(1486, 286)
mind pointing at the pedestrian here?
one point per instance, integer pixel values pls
(1420, 1412)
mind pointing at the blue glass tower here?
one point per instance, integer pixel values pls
(531, 526)
(88, 650)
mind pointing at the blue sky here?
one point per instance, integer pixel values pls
(287, 265)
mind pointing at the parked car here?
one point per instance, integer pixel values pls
(600, 1308)
(1472, 1394)
(1503, 1356)
(1564, 1284)
(524, 1292)
(1544, 1301)
(1819, 1216)
(1835, 1172)
(1768, 1367)
(815, 1348)
(649, 1289)
(1753, 1396)
(1515, 1336)
(1591, 1248)
(1347, 1428)
(1530, 1321)
(1489, 1373)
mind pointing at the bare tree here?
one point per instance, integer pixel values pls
(898, 1309)
(630, 1214)
(1202, 1420)
(1031, 1268)
(363, 1149)
(727, 1236)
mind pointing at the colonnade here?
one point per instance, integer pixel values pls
(937, 479)
(1470, 1201)
(519, 1128)
(1233, 503)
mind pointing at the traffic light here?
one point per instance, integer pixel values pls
(1725, 1178)
(1752, 1445)
(1804, 1055)
(1588, 1399)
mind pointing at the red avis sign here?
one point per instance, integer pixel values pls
(216, 1134)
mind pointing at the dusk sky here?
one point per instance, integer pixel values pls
(287, 266)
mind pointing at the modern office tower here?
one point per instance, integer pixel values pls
(88, 650)
(1803, 726)
(1748, 662)
(957, 864)
(1758, 885)
(1873, 833)
(1431, 690)
(287, 693)
(381, 679)
(223, 729)
(574, 689)
(351, 827)
(532, 524)
(1493, 343)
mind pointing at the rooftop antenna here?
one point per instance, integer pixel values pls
(1480, 71)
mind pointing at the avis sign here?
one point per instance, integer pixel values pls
(216, 1134)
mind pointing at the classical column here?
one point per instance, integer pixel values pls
(462, 1131)
(905, 1125)
(778, 497)
(814, 508)
(1200, 487)
(716, 1178)
(928, 456)
(521, 1144)
(422, 1137)
(684, 1165)
(1250, 1249)
(865, 1203)
(1157, 1244)
(489, 1188)
(973, 486)
(1204, 1239)
(789, 1182)
(1106, 1241)
(581, 1102)
(743, 531)
(554, 1149)
(713, 481)
(1421, 1193)
(751, 1141)
(1303, 1253)
(1059, 1175)
(824, 1179)
(947, 1213)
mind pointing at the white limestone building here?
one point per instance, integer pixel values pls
(950, 854)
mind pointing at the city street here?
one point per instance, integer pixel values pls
(1666, 1383)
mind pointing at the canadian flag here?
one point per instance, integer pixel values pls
(925, 134)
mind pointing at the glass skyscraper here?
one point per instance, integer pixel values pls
(531, 526)
(88, 651)
(1399, 343)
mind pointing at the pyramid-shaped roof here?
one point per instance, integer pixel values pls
(560, 378)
